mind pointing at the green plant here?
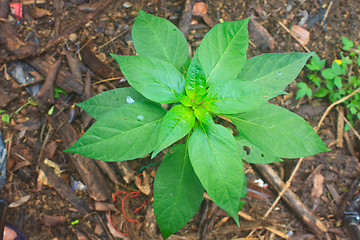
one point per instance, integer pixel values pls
(4, 117)
(336, 81)
(219, 80)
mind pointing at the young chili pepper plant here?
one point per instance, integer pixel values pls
(219, 80)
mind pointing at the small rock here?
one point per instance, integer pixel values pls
(73, 37)
(127, 5)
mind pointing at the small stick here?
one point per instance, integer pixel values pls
(326, 13)
(296, 38)
(351, 127)
(186, 18)
(333, 105)
(340, 127)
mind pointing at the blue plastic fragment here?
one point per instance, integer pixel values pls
(2, 162)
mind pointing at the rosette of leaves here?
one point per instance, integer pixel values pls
(219, 80)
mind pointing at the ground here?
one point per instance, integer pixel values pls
(41, 212)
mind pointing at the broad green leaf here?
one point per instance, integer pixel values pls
(222, 51)
(125, 133)
(278, 132)
(155, 79)
(338, 82)
(252, 154)
(347, 43)
(177, 191)
(300, 93)
(157, 37)
(195, 81)
(276, 70)
(235, 96)
(336, 68)
(177, 122)
(104, 102)
(328, 74)
(322, 92)
(216, 160)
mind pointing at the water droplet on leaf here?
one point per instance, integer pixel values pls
(279, 73)
(140, 117)
(129, 99)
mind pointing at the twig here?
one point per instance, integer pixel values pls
(186, 17)
(107, 80)
(326, 13)
(333, 105)
(296, 38)
(351, 127)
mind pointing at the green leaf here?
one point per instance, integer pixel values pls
(328, 74)
(300, 93)
(330, 85)
(177, 122)
(252, 154)
(278, 132)
(5, 118)
(204, 116)
(195, 81)
(125, 133)
(177, 191)
(316, 63)
(2, 111)
(216, 160)
(336, 68)
(234, 96)
(155, 79)
(104, 102)
(275, 70)
(308, 92)
(347, 43)
(338, 82)
(322, 92)
(222, 51)
(185, 100)
(157, 37)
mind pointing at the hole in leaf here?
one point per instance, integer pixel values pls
(247, 150)
(262, 155)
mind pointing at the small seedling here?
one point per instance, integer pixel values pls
(219, 80)
(337, 81)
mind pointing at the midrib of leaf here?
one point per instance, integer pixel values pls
(258, 79)
(224, 53)
(262, 126)
(183, 117)
(216, 160)
(121, 133)
(157, 38)
(155, 80)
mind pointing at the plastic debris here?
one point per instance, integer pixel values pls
(16, 9)
(20, 71)
(3, 155)
(77, 185)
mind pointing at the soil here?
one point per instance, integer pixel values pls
(41, 212)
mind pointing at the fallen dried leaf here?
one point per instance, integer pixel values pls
(50, 221)
(39, 12)
(19, 202)
(262, 37)
(302, 34)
